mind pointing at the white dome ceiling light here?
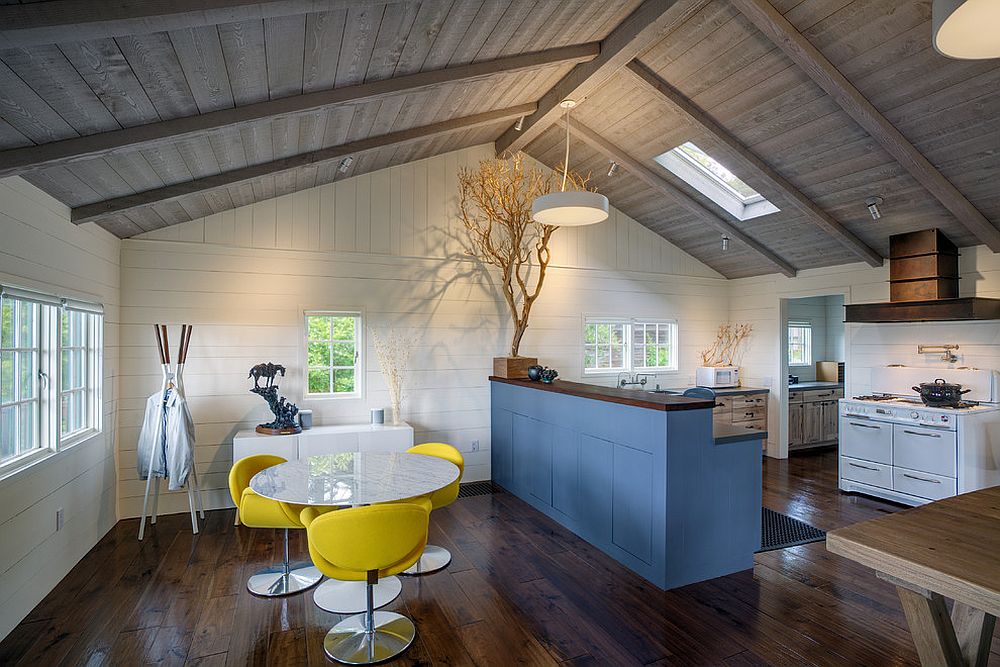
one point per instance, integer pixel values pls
(966, 29)
(573, 208)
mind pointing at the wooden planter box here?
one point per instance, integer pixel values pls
(512, 367)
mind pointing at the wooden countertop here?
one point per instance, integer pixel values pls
(949, 547)
(634, 397)
(817, 384)
(727, 391)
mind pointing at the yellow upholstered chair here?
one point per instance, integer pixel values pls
(435, 558)
(256, 511)
(363, 544)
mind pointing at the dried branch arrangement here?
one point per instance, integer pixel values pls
(393, 349)
(495, 206)
(729, 346)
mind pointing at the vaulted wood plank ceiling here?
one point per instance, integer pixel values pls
(252, 89)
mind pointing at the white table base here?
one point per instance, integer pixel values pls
(351, 597)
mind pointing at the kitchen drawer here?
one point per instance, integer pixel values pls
(866, 472)
(755, 424)
(748, 414)
(923, 484)
(865, 439)
(927, 449)
(744, 402)
(814, 395)
(795, 396)
(723, 403)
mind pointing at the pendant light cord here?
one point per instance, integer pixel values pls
(566, 163)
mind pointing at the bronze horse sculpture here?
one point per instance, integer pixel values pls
(267, 371)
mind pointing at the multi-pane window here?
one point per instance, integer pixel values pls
(333, 351)
(616, 345)
(50, 374)
(74, 373)
(654, 345)
(799, 343)
(20, 398)
(605, 345)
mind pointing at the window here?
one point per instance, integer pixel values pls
(799, 343)
(617, 345)
(333, 350)
(20, 398)
(50, 374)
(707, 175)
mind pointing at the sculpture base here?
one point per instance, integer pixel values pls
(288, 430)
(513, 367)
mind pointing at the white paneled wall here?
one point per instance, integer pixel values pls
(866, 345)
(389, 243)
(41, 249)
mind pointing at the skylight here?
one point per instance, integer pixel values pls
(711, 178)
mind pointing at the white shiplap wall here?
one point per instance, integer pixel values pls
(41, 249)
(389, 243)
(866, 345)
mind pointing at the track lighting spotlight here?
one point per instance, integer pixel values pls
(873, 203)
(345, 164)
(519, 125)
(613, 168)
(725, 243)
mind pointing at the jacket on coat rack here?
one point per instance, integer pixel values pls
(168, 415)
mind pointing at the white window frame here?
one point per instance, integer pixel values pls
(692, 172)
(359, 355)
(807, 344)
(50, 441)
(629, 323)
(672, 344)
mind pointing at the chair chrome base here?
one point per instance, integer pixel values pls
(351, 643)
(433, 558)
(350, 597)
(275, 580)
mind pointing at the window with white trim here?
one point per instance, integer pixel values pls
(50, 374)
(613, 345)
(799, 343)
(333, 354)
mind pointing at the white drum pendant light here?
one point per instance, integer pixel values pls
(573, 208)
(966, 29)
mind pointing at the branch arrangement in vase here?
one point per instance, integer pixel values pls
(393, 349)
(729, 347)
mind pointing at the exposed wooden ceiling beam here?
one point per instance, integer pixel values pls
(20, 160)
(92, 212)
(80, 20)
(654, 180)
(698, 117)
(633, 36)
(771, 22)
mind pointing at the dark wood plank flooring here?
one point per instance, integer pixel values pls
(520, 590)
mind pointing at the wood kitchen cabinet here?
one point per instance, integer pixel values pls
(813, 417)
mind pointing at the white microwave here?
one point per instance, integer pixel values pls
(721, 376)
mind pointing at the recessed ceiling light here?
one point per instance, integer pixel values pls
(345, 164)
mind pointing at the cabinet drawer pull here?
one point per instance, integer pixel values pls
(922, 479)
(877, 428)
(924, 435)
(858, 465)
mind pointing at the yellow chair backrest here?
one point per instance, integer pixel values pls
(243, 471)
(441, 450)
(387, 537)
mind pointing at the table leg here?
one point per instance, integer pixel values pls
(931, 628)
(974, 631)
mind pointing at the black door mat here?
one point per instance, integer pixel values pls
(470, 489)
(780, 531)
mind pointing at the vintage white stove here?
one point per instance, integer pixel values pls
(894, 447)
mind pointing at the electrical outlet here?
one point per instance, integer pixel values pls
(59, 519)
(475, 445)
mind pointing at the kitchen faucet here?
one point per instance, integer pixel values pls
(625, 381)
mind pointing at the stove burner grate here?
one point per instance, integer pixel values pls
(874, 397)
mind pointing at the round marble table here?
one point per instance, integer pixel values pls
(351, 479)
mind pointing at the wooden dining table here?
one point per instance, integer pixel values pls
(946, 549)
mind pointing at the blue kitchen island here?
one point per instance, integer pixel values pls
(639, 475)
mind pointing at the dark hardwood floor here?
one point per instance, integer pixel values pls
(520, 590)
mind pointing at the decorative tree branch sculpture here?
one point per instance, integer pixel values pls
(729, 346)
(495, 205)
